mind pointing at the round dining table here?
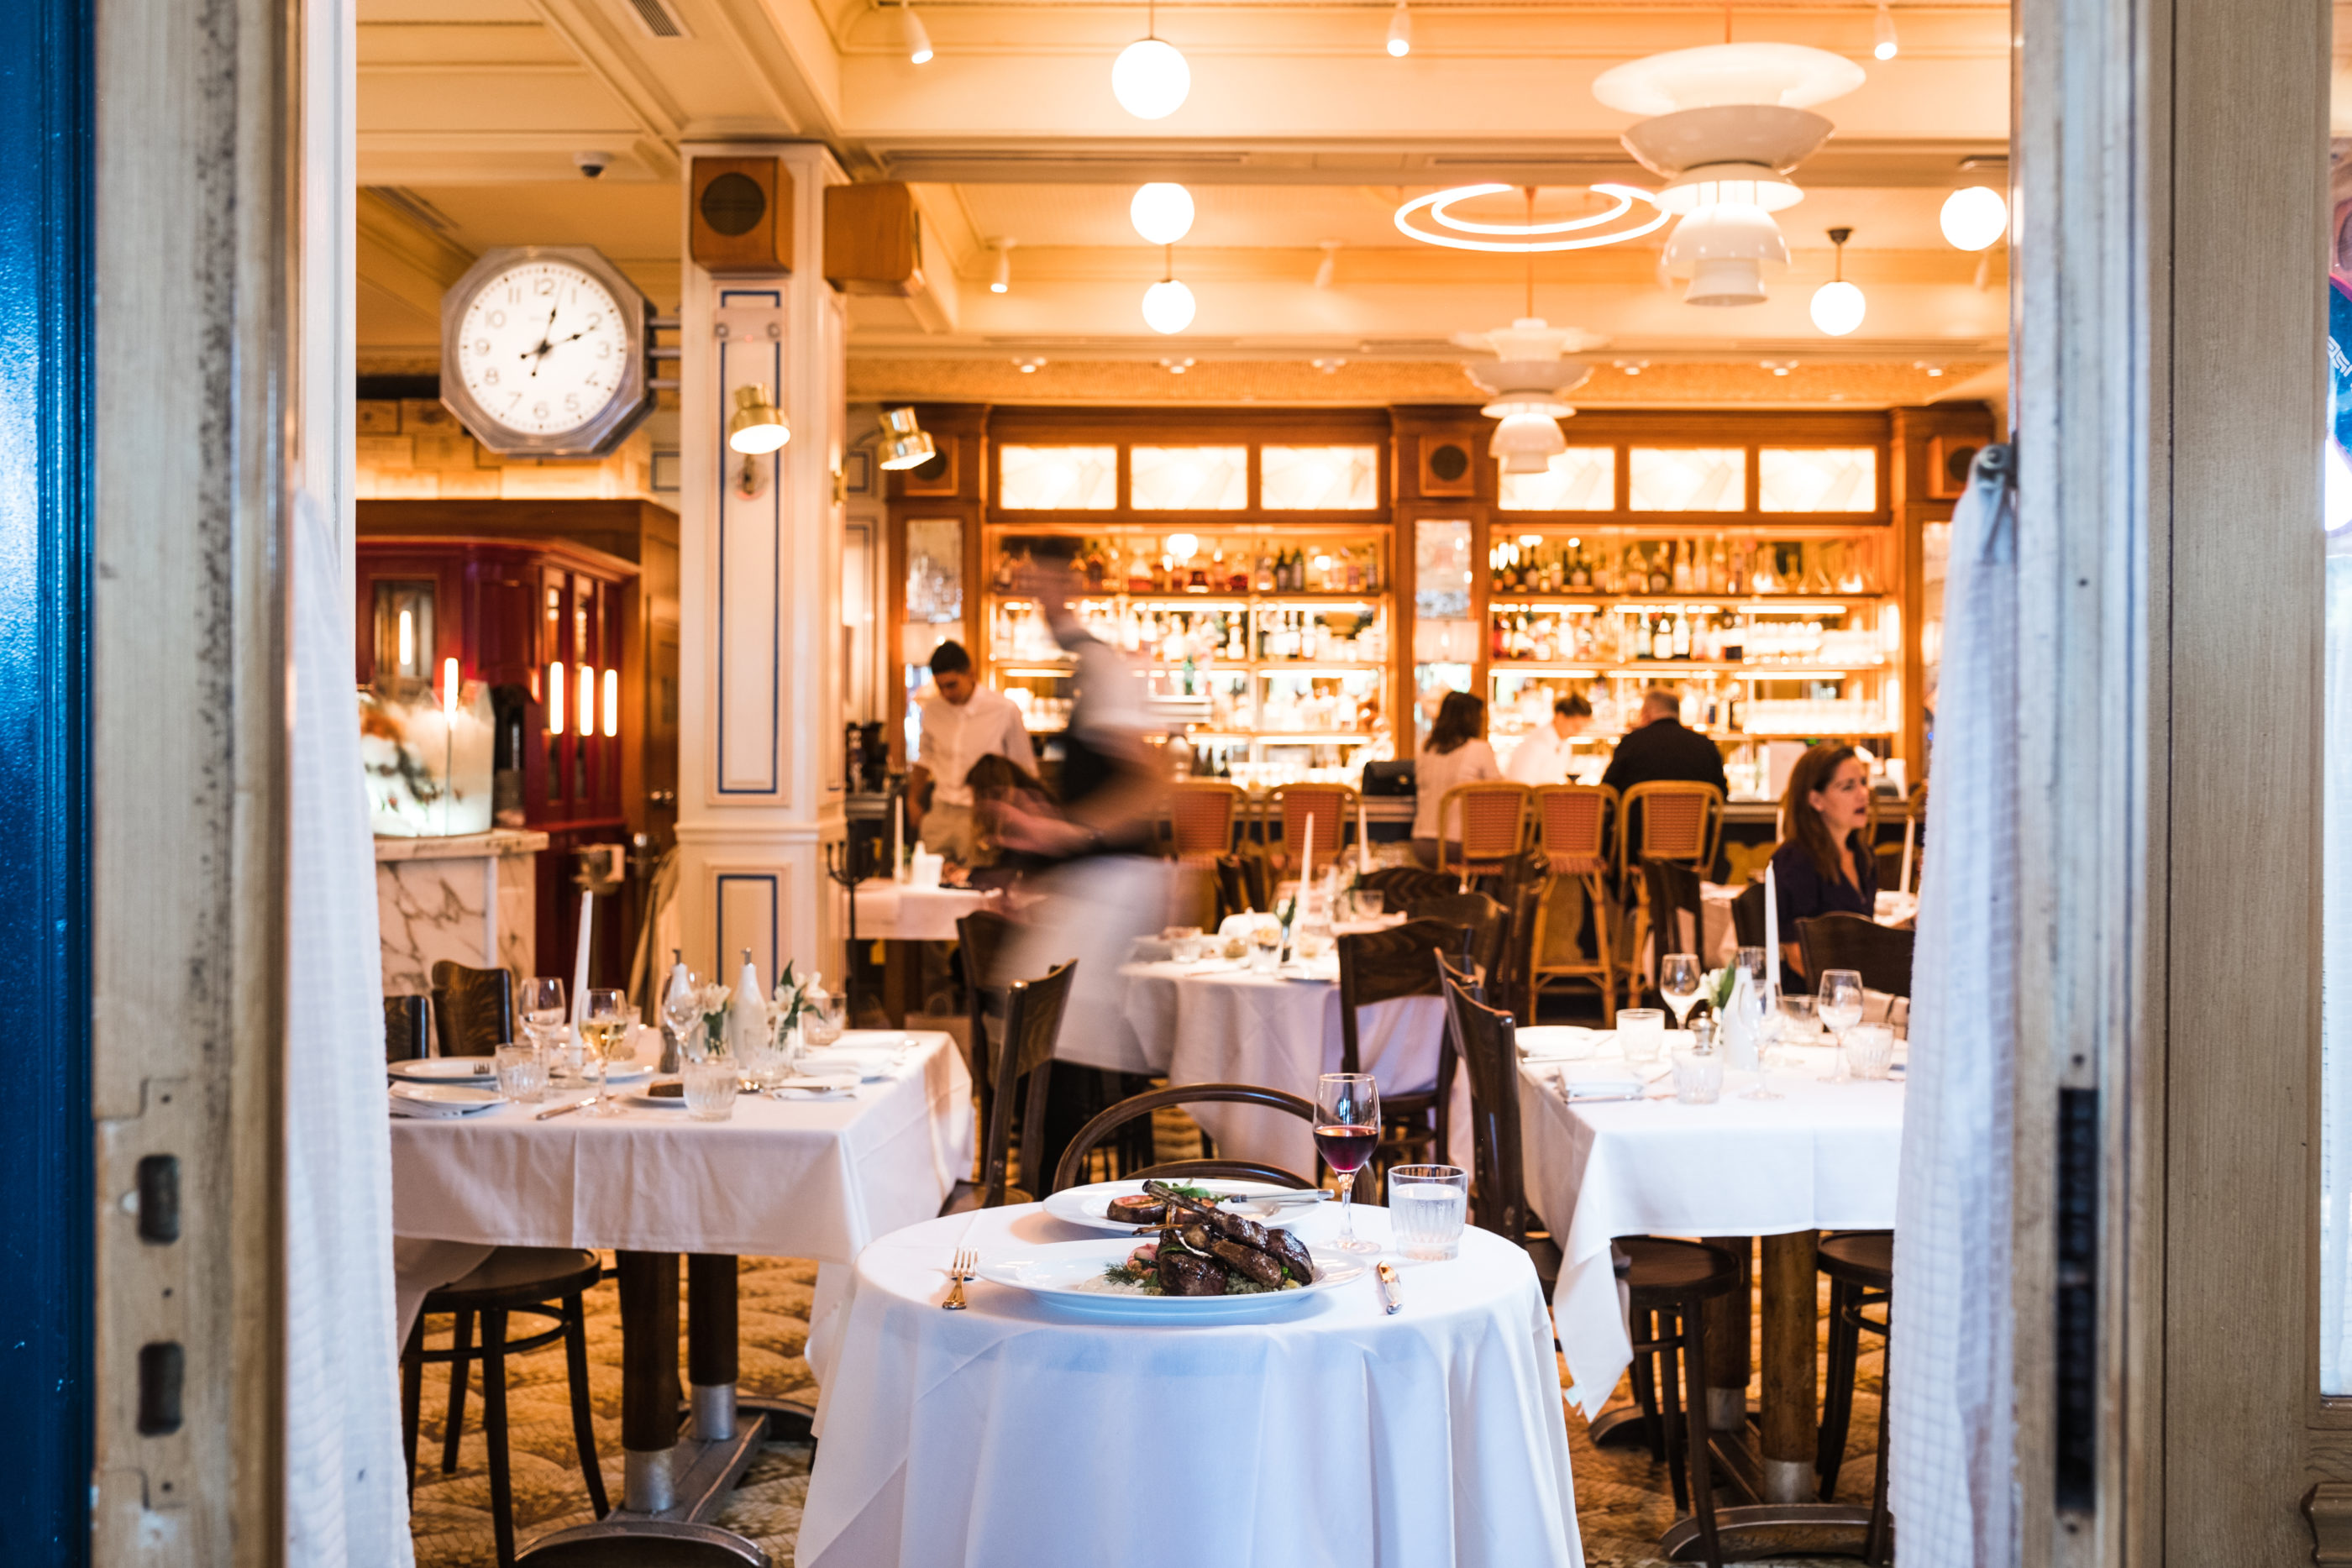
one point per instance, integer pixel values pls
(1335, 1433)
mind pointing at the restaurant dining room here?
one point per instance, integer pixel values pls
(1499, 783)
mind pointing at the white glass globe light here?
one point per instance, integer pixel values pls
(1161, 213)
(1150, 79)
(1838, 308)
(1723, 250)
(1168, 306)
(1974, 218)
(1527, 435)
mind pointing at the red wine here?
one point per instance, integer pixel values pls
(1346, 1148)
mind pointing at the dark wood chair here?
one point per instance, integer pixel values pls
(1484, 1038)
(1241, 884)
(1861, 1269)
(1399, 886)
(1747, 915)
(1387, 966)
(1880, 954)
(545, 1282)
(1488, 924)
(1668, 1285)
(407, 1028)
(473, 1009)
(983, 937)
(1032, 1024)
(1677, 912)
(1071, 1169)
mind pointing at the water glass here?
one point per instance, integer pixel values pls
(823, 1019)
(522, 1073)
(1640, 1033)
(1870, 1050)
(711, 1085)
(1698, 1076)
(1428, 1206)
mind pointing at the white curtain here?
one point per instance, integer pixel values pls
(2334, 1017)
(1949, 1371)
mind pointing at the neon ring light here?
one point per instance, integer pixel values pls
(1462, 234)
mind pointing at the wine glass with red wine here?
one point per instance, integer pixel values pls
(1346, 1130)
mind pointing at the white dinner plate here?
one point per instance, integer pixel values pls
(627, 1072)
(1069, 1275)
(1087, 1204)
(820, 1080)
(442, 1098)
(645, 1101)
(441, 1069)
(864, 1061)
(1561, 1042)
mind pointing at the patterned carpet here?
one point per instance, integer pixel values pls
(1622, 1501)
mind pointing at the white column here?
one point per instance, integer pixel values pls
(760, 789)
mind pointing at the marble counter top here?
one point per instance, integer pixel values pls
(498, 841)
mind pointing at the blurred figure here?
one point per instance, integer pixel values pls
(963, 722)
(1543, 757)
(1659, 747)
(1456, 754)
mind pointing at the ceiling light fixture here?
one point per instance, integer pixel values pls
(1724, 252)
(1520, 238)
(1150, 79)
(1400, 31)
(1161, 213)
(1329, 367)
(1329, 267)
(1176, 366)
(1975, 216)
(1633, 367)
(1884, 45)
(1000, 280)
(1167, 305)
(757, 426)
(1838, 306)
(1777, 367)
(905, 443)
(911, 36)
(1028, 367)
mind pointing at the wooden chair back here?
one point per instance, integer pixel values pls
(1033, 1025)
(1072, 1167)
(407, 1028)
(1482, 827)
(1677, 909)
(1880, 954)
(1747, 915)
(1385, 966)
(1486, 921)
(1673, 820)
(1400, 885)
(1198, 818)
(1482, 1038)
(1241, 884)
(1330, 806)
(1572, 827)
(473, 1009)
(984, 935)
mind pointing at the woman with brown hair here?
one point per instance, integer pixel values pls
(1455, 753)
(1824, 866)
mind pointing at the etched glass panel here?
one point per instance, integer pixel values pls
(1580, 479)
(934, 570)
(1188, 478)
(1817, 480)
(1058, 478)
(1318, 478)
(1687, 479)
(1440, 576)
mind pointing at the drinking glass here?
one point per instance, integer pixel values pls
(1428, 1206)
(1698, 1076)
(711, 1085)
(522, 1073)
(606, 1027)
(1678, 982)
(1641, 1034)
(1370, 903)
(1870, 1050)
(1790, 1023)
(823, 1019)
(1839, 1008)
(544, 1021)
(681, 1013)
(1347, 1131)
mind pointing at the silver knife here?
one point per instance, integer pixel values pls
(1278, 1199)
(1391, 1292)
(564, 1110)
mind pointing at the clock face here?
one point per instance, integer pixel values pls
(542, 347)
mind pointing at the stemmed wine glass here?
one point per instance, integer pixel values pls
(1346, 1130)
(1678, 982)
(604, 1023)
(1839, 1008)
(1765, 1023)
(681, 1012)
(543, 1020)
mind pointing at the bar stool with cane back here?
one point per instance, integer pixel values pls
(473, 1009)
(1197, 820)
(1330, 806)
(1387, 966)
(1492, 816)
(1484, 1038)
(1573, 824)
(1861, 1270)
(1664, 820)
(1033, 1027)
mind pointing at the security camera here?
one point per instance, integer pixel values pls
(593, 163)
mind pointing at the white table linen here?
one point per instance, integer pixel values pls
(899, 912)
(1009, 1434)
(1823, 1157)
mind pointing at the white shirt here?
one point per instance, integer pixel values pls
(1434, 773)
(1540, 758)
(954, 738)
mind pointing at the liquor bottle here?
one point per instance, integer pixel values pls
(1719, 573)
(1682, 569)
(1265, 575)
(1662, 639)
(1682, 637)
(1662, 580)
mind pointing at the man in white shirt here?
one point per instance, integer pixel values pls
(963, 721)
(1543, 757)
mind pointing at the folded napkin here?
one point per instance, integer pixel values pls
(1600, 1081)
(866, 1062)
(1561, 1042)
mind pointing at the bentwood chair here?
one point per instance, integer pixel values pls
(1861, 1270)
(1072, 1167)
(1386, 965)
(407, 1028)
(982, 938)
(1032, 1026)
(1677, 912)
(1573, 826)
(1482, 828)
(473, 1009)
(1488, 924)
(1484, 1039)
(1331, 808)
(1400, 885)
(1747, 915)
(1241, 884)
(1880, 954)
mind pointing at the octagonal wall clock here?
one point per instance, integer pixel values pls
(544, 351)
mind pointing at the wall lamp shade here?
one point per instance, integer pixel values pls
(1975, 217)
(1725, 251)
(1168, 306)
(1150, 79)
(912, 37)
(757, 425)
(1400, 31)
(1162, 212)
(905, 443)
(1838, 308)
(1000, 281)
(1526, 434)
(1883, 45)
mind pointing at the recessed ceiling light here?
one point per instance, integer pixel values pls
(1176, 366)
(1329, 367)
(1028, 367)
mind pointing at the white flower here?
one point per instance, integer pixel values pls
(712, 998)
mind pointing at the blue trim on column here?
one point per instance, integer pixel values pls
(728, 964)
(46, 110)
(772, 297)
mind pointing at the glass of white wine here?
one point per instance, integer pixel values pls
(1678, 982)
(606, 1028)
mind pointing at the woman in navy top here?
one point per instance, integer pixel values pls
(1824, 866)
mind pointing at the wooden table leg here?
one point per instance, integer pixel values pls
(649, 1393)
(902, 981)
(710, 1342)
(1790, 1433)
(1728, 1350)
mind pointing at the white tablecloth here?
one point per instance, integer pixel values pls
(1339, 1436)
(1224, 1025)
(893, 911)
(1821, 1157)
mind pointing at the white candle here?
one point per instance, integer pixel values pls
(1910, 828)
(1771, 927)
(1363, 840)
(1306, 854)
(897, 820)
(580, 957)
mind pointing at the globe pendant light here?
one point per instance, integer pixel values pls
(1975, 217)
(1838, 306)
(1150, 79)
(1167, 305)
(1161, 213)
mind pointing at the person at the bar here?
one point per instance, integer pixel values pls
(1824, 866)
(963, 721)
(1544, 755)
(1455, 753)
(1660, 748)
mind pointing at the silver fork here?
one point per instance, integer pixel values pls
(966, 1266)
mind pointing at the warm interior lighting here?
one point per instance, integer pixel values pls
(1183, 547)
(1150, 79)
(1974, 218)
(555, 699)
(1724, 250)
(1401, 31)
(1838, 306)
(587, 700)
(449, 687)
(1162, 212)
(912, 36)
(1001, 281)
(1883, 45)
(905, 443)
(612, 702)
(1168, 306)
(757, 425)
(407, 642)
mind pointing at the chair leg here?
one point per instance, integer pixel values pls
(1878, 1545)
(1670, 1414)
(494, 1432)
(1645, 1385)
(1702, 1456)
(583, 1424)
(412, 1398)
(461, 1340)
(1837, 1393)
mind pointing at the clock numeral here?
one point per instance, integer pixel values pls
(538, 411)
(571, 402)
(490, 376)
(481, 345)
(514, 297)
(603, 349)
(594, 321)
(499, 317)
(543, 286)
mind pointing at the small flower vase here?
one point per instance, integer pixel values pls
(712, 1041)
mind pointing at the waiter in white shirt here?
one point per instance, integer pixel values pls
(1543, 757)
(964, 721)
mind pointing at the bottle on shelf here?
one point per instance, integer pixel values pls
(1682, 567)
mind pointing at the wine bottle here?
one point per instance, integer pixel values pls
(1682, 569)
